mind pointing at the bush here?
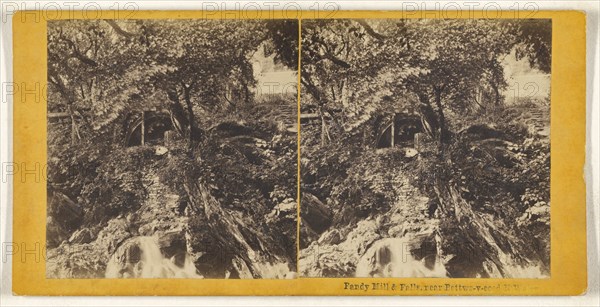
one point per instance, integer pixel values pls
(117, 188)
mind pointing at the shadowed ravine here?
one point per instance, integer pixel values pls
(167, 237)
(411, 240)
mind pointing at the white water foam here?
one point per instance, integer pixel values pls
(152, 264)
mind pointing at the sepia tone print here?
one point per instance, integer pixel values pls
(425, 148)
(172, 148)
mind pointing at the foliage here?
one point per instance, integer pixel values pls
(340, 57)
(535, 43)
(357, 73)
(100, 70)
(284, 41)
(92, 72)
(354, 69)
(105, 181)
(103, 73)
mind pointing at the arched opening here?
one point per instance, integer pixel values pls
(148, 129)
(400, 131)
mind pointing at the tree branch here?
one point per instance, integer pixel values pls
(78, 55)
(370, 30)
(118, 29)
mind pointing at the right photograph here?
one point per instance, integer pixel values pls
(425, 148)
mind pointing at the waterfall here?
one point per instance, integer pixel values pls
(391, 257)
(150, 264)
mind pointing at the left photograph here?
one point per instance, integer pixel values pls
(172, 148)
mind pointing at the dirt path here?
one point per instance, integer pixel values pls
(160, 212)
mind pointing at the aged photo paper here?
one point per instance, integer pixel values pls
(358, 153)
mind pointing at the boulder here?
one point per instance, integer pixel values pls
(410, 152)
(232, 129)
(129, 252)
(125, 259)
(64, 216)
(113, 235)
(75, 261)
(331, 237)
(55, 233)
(173, 243)
(160, 150)
(315, 214)
(395, 257)
(307, 235)
(482, 132)
(81, 236)
(284, 210)
(328, 260)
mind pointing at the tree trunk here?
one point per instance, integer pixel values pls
(321, 101)
(143, 128)
(429, 118)
(176, 110)
(246, 93)
(443, 134)
(75, 136)
(190, 110)
(324, 131)
(496, 93)
(393, 131)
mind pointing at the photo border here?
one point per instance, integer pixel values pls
(568, 192)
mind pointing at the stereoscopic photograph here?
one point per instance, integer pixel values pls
(425, 148)
(172, 148)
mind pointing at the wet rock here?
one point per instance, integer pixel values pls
(338, 251)
(220, 235)
(84, 235)
(129, 251)
(475, 246)
(141, 257)
(307, 235)
(339, 260)
(242, 271)
(172, 243)
(315, 214)
(55, 233)
(331, 237)
(125, 258)
(84, 257)
(75, 261)
(113, 235)
(65, 216)
(394, 257)
(284, 210)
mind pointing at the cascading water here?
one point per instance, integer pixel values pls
(391, 258)
(150, 264)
